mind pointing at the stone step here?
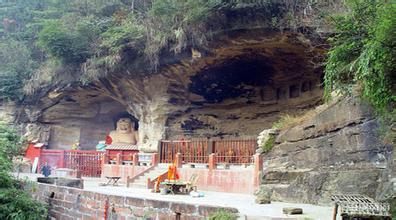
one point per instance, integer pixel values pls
(141, 181)
(138, 185)
(249, 217)
(163, 165)
(151, 175)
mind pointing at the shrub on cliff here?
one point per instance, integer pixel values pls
(363, 55)
(15, 203)
(15, 66)
(222, 214)
(71, 47)
(94, 38)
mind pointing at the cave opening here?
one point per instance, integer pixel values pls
(235, 77)
(246, 89)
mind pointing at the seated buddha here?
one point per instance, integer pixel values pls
(125, 133)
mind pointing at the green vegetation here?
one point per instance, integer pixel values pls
(16, 66)
(222, 214)
(269, 144)
(286, 121)
(71, 47)
(85, 40)
(392, 203)
(363, 55)
(15, 203)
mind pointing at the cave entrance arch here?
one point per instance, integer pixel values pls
(246, 86)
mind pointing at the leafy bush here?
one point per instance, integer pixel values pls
(15, 203)
(15, 66)
(392, 203)
(269, 144)
(363, 54)
(222, 214)
(119, 36)
(97, 35)
(68, 46)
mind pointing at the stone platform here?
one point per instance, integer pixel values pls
(142, 201)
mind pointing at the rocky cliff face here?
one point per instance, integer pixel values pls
(336, 151)
(238, 88)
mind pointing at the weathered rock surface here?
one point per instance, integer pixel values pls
(8, 112)
(336, 151)
(263, 196)
(237, 89)
(264, 136)
(47, 180)
(70, 182)
(292, 211)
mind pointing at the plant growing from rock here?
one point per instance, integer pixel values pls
(363, 56)
(222, 214)
(269, 144)
(15, 203)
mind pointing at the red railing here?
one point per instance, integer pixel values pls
(236, 151)
(191, 150)
(88, 163)
(234, 159)
(195, 159)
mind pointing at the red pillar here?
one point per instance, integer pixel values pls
(148, 183)
(119, 159)
(40, 160)
(62, 159)
(106, 209)
(212, 161)
(258, 167)
(179, 160)
(154, 159)
(135, 159)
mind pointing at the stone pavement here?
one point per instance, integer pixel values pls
(244, 203)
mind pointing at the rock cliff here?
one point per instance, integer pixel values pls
(236, 89)
(336, 151)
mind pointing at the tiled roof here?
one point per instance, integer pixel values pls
(122, 147)
(38, 145)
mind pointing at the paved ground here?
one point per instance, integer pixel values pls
(244, 203)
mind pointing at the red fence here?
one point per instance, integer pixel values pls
(89, 163)
(236, 151)
(191, 150)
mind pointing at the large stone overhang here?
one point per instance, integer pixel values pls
(239, 87)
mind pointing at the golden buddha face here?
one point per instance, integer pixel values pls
(124, 125)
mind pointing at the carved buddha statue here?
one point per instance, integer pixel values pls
(125, 133)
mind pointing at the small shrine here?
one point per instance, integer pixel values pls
(123, 140)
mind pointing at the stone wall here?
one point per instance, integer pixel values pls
(69, 203)
(336, 151)
(236, 180)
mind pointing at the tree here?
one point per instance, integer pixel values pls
(363, 54)
(15, 203)
(68, 46)
(16, 66)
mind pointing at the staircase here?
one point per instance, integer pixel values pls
(141, 181)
